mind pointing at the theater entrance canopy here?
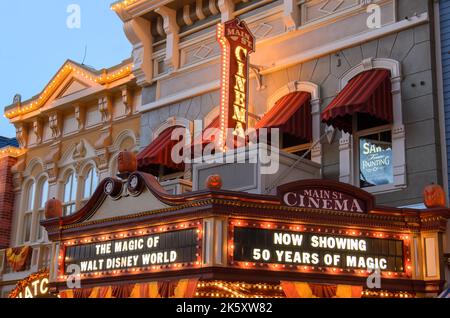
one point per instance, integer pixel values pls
(316, 238)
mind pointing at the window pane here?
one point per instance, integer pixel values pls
(375, 160)
(30, 197)
(27, 227)
(88, 184)
(94, 181)
(44, 194)
(69, 209)
(73, 194)
(41, 228)
(68, 188)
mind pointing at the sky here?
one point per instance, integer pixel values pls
(36, 40)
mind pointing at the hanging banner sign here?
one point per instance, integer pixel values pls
(237, 42)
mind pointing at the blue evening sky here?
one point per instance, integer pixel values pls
(35, 41)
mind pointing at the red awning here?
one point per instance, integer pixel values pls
(159, 153)
(369, 92)
(292, 115)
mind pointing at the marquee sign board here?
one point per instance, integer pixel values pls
(34, 286)
(137, 252)
(237, 42)
(325, 195)
(299, 248)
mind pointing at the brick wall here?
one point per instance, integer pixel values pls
(6, 200)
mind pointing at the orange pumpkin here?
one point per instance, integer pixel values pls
(53, 209)
(127, 162)
(434, 196)
(214, 182)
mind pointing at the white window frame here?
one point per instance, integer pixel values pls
(74, 200)
(84, 177)
(314, 90)
(40, 207)
(348, 147)
(30, 188)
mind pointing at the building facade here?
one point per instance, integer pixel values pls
(311, 58)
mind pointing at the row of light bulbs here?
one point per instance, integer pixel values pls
(102, 79)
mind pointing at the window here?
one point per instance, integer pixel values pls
(43, 197)
(29, 204)
(368, 111)
(70, 194)
(90, 183)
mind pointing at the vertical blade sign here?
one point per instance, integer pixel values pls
(237, 42)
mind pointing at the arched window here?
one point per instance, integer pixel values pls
(90, 183)
(43, 197)
(70, 194)
(29, 207)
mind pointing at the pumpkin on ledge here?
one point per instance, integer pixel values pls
(127, 162)
(434, 196)
(214, 182)
(53, 209)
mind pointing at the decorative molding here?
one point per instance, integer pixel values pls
(30, 167)
(295, 86)
(51, 161)
(160, 27)
(138, 32)
(171, 29)
(80, 116)
(22, 134)
(369, 64)
(291, 15)
(262, 30)
(127, 100)
(102, 145)
(338, 4)
(37, 129)
(226, 8)
(127, 133)
(199, 10)
(105, 137)
(105, 108)
(173, 121)
(187, 15)
(79, 151)
(17, 171)
(205, 49)
(55, 124)
(212, 7)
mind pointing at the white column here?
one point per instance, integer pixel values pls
(398, 135)
(345, 159)
(316, 154)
